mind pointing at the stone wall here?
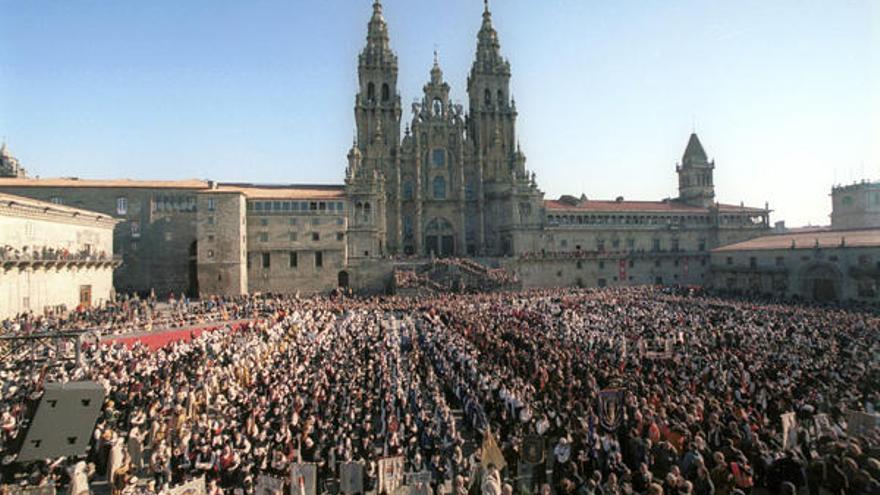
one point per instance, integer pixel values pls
(306, 251)
(156, 236)
(29, 284)
(854, 272)
(222, 244)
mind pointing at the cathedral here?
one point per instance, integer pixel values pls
(455, 184)
(451, 182)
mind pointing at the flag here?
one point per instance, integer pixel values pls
(789, 431)
(490, 453)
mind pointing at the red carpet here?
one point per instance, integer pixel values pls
(156, 339)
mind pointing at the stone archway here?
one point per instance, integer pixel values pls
(821, 282)
(440, 238)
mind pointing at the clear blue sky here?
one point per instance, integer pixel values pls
(785, 94)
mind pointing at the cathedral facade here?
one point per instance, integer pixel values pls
(446, 182)
(455, 182)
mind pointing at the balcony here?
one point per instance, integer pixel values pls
(47, 258)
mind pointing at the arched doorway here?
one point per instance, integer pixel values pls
(439, 238)
(342, 280)
(821, 282)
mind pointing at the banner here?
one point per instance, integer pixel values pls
(303, 479)
(269, 485)
(490, 453)
(419, 483)
(533, 449)
(611, 408)
(861, 423)
(823, 425)
(351, 478)
(390, 474)
(789, 431)
(191, 487)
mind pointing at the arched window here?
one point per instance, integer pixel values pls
(371, 92)
(386, 93)
(438, 107)
(407, 189)
(488, 97)
(500, 97)
(367, 211)
(439, 187)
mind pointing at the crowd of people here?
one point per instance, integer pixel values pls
(336, 380)
(132, 314)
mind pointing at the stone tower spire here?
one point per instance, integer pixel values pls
(377, 99)
(695, 183)
(489, 97)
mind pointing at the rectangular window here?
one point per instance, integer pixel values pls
(316, 236)
(294, 259)
(210, 220)
(210, 238)
(340, 206)
(601, 265)
(316, 221)
(135, 230)
(212, 204)
(264, 222)
(702, 244)
(319, 259)
(122, 206)
(780, 261)
(675, 245)
(264, 237)
(292, 236)
(600, 246)
(657, 263)
(276, 205)
(753, 262)
(630, 244)
(340, 236)
(266, 260)
(292, 220)
(340, 221)
(655, 245)
(322, 206)
(615, 243)
(285, 206)
(313, 206)
(729, 260)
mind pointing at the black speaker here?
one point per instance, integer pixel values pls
(63, 422)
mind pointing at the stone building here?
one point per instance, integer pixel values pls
(53, 256)
(824, 265)
(9, 165)
(856, 206)
(453, 182)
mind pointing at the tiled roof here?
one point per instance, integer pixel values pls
(118, 183)
(293, 191)
(808, 240)
(669, 206)
(9, 199)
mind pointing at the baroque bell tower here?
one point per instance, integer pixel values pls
(377, 104)
(492, 111)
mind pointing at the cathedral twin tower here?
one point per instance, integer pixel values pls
(456, 183)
